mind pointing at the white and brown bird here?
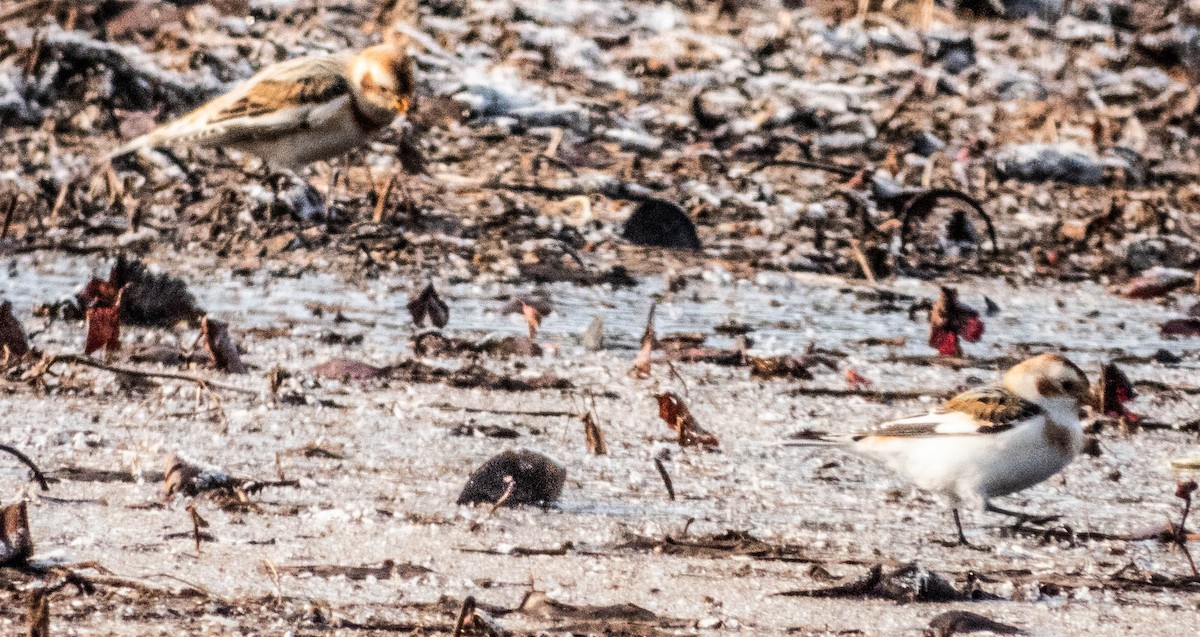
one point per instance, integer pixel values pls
(988, 442)
(298, 111)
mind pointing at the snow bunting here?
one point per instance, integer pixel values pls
(988, 442)
(299, 111)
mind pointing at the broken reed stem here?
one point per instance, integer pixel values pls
(859, 256)
(141, 373)
(666, 478)
(37, 473)
(593, 435)
(1181, 532)
(468, 609)
(8, 215)
(191, 509)
(381, 197)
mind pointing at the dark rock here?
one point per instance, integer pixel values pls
(1045, 162)
(661, 224)
(955, 54)
(955, 622)
(535, 479)
(925, 143)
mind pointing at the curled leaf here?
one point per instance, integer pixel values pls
(641, 365)
(103, 330)
(1115, 390)
(427, 303)
(677, 416)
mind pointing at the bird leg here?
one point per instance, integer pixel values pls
(962, 538)
(1022, 518)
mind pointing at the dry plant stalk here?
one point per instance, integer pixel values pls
(593, 435)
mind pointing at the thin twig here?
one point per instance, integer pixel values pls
(37, 473)
(141, 373)
(666, 478)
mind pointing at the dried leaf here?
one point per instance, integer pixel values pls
(533, 318)
(856, 381)
(1180, 327)
(1155, 282)
(956, 622)
(641, 365)
(593, 435)
(16, 545)
(346, 369)
(103, 330)
(220, 346)
(428, 304)
(12, 336)
(796, 367)
(527, 477)
(948, 320)
(675, 413)
(1115, 390)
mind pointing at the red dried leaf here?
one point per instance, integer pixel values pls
(220, 346)
(103, 329)
(1116, 390)
(948, 320)
(1155, 282)
(856, 381)
(1185, 490)
(1181, 327)
(689, 432)
(428, 304)
(12, 336)
(16, 545)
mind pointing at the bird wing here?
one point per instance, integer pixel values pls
(280, 98)
(983, 411)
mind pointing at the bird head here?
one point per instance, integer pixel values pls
(1049, 379)
(384, 80)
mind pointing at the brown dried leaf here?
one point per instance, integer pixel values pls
(780, 367)
(641, 365)
(220, 346)
(675, 413)
(16, 545)
(1155, 282)
(533, 318)
(346, 369)
(428, 304)
(956, 622)
(593, 434)
(12, 336)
